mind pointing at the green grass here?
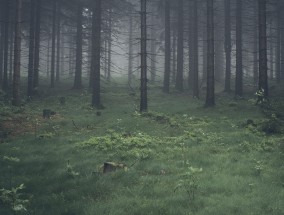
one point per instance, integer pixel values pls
(242, 167)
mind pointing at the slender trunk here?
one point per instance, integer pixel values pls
(17, 55)
(263, 83)
(282, 42)
(166, 87)
(96, 98)
(190, 45)
(53, 43)
(11, 56)
(239, 63)
(48, 57)
(143, 90)
(180, 51)
(130, 51)
(228, 45)
(37, 46)
(78, 71)
(6, 46)
(2, 38)
(31, 49)
(195, 72)
(58, 38)
(255, 51)
(174, 47)
(278, 45)
(210, 95)
(153, 51)
(109, 47)
(204, 52)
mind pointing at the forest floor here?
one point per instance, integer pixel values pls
(179, 158)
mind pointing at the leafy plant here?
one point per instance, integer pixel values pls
(70, 171)
(14, 199)
(189, 182)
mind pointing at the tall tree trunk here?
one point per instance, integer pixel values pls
(263, 83)
(190, 44)
(17, 55)
(239, 60)
(180, 51)
(282, 41)
(53, 38)
(174, 48)
(143, 90)
(11, 55)
(2, 40)
(109, 40)
(48, 57)
(166, 86)
(210, 94)
(228, 45)
(278, 44)
(255, 50)
(153, 50)
(195, 72)
(78, 71)
(58, 38)
(130, 51)
(96, 44)
(37, 46)
(31, 49)
(6, 46)
(204, 53)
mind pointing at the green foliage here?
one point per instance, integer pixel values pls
(272, 125)
(189, 182)
(70, 170)
(161, 118)
(14, 198)
(11, 159)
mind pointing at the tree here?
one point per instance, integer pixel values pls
(210, 95)
(53, 39)
(228, 45)
(37, 45)
(31, 49)
(180, 51)
(6, 46)
(17, 54)
(239, 63)
(58, 38)
(96, 52)
(130, 51)
(143, 90)
(166, 86)
(263, 83)
(79, 40)
(195, 72)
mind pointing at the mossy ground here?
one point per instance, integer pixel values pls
(59, 159)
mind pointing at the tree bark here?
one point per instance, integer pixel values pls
(153, 50)
(143, 90)
(96, 44)
(109, 41)
(278, 44)
(31, 49)
(130, 51)
(6, 46)
(78, 71)
(228, 45)
(263, 82)
(17, 55)
(53, 38)
(166, 87)
(210, 94)
(239, 60)
(58, 38)
(37, 46)
(180, 51)
(195, 72)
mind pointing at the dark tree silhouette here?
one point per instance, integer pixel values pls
(6, 45)
(263, 83)
(210, 93)
(17, 54)
(143, 90)
(37, 45)
(53, 40)
(166, 86)
(228, 45)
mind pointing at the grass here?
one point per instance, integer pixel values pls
(59, 160)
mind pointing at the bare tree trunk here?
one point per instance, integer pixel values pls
(282, 41)
(58, 38)
(263, 82)
(166, 87)
(96, 44)
(11, 55)
(48, 57)
(255, 50)
(17, 55)
(228, 45)
(54, 3)
(31, 49)
(37, 46)
(278, 45)
(6, 46)
(195, 72)
(210, 95)
(143, 90)
(130, 51)
(239, 60)
(174, 47)
(78, 71)
(153, 50)
(109, 46)
(2, 40)
(180, 51)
